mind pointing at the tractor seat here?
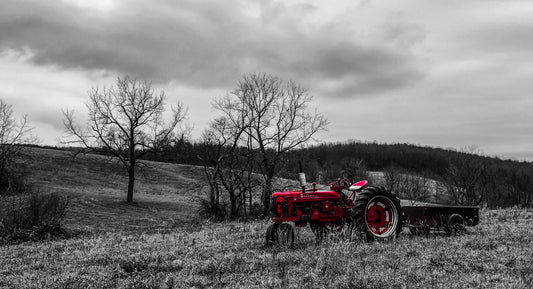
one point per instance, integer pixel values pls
(358, 186)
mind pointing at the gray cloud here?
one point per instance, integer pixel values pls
(403, 34)
(47, 118)
(208, 44)
(443, 73)
(511, 37)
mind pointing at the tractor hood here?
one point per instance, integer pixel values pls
(308, 196)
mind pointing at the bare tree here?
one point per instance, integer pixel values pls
(414, 188)
(464, 179)
(227, 166)
(13, 132)
(125, 121)
(393, 179)
(274, 115)
(354, 169)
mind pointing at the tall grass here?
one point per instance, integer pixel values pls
(498, 253)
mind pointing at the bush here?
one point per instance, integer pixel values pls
(11, 182)
(256, 211)
(30, 215)
(211, 210)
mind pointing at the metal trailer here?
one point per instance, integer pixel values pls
(433, 217)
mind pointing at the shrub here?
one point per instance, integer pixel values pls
(211, 210)
(11, 182)
(256, 211)
(30, 215)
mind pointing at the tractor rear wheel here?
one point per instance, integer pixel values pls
(376, 215)
(281, 235)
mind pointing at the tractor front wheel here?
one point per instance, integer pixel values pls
(281, 235)
(376, 215)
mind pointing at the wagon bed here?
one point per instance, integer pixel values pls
(423, 218)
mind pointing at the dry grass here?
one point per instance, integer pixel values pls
(153, 253)
(496, 254)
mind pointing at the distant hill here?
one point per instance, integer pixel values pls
(379, 156)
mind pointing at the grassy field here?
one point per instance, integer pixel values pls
(165, 194)
(159, 243)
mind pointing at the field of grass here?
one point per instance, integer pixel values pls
(159, 243)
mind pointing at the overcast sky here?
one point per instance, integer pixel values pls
(451, 74)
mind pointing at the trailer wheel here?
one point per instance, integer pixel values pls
(455, 224)
(376, 215)
(281, 235)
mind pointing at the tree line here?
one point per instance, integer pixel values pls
(460, 177)
(426, 174)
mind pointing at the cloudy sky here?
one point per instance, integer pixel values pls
(451, 74)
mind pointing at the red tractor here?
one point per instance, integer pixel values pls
(370, 212)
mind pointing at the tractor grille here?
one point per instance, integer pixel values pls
(279, 207)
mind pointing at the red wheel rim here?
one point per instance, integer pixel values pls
(381, 217)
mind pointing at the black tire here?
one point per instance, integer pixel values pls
(455, 225)
(270, 235)
(319, 230)
(376, 215)
(281, 235)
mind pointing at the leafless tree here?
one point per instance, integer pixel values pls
(414, 188)
(464, 179)
(126, 122)
(354, 169)
(274, 117)
(227, 166)
(392, 179)
(13, 132)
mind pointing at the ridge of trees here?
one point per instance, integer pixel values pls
(468, 178)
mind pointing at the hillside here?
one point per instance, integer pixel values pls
(165, 194)
(159, 243)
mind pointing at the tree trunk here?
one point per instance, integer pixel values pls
(250, 203)
(233, 204)
(131, 181)
(243, 204)
(267, 193)
(131, 168)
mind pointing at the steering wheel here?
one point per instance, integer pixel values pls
(340, 182)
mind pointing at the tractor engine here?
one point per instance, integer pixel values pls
(298, 206)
